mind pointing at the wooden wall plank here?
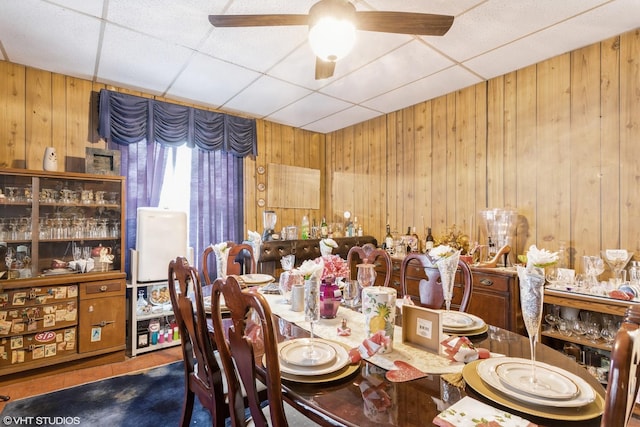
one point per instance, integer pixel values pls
(12, 115)
(38, 119)
(629, 138)
(439, 171)
(423, 149)
(585, 166)
(495, 143)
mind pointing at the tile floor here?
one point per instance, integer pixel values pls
(81, 376)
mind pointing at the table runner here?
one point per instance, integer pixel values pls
(327, 328)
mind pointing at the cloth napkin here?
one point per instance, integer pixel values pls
(468, 412)
(221, 251)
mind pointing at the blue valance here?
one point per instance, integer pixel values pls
(127, 119)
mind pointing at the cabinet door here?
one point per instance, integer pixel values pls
(102, 324)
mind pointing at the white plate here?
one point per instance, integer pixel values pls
(56, 271)
(257, 279)
(207, 303)
(341, 360)
(456, 319)
(476, 322)
(487, 371)
(552, 384)
(295, 352)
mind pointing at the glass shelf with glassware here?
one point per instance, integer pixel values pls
(56, 223)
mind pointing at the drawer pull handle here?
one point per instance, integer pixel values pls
(395, 267)
(104, 288)
(486, 282)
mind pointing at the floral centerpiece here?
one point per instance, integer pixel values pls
(326, 269)
(446, 259)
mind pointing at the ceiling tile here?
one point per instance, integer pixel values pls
(441, 7)
(569, 35)
(93, 7)
(308, 109)
(265, 96)
(256, 48)
(206, 79)
(498, 22)
(439, 84)
(344, 118)
(45, 36)
(410, 62)
(139, 61)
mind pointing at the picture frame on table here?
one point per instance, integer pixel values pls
(422, 327)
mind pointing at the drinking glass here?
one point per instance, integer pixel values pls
(447, 267)
(617, 260)
(350, 293)
(531, 281)
(553, 317)
(311, 312)
(593, 266)
(366, 274)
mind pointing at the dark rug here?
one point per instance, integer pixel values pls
(152, 398)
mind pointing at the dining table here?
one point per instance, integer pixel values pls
(360, 394)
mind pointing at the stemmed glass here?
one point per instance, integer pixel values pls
(447, 267)
(617, 259)
(366, 275)
(593, 266)
(531, 281)
(311, 311)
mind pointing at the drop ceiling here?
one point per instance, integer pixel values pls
(168, 48)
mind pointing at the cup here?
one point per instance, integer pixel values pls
(350, 293)
(297, 298)
(379, 308)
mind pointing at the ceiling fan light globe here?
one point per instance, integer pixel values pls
(331, 38)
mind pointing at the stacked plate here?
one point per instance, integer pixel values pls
(460, 323)
(319, 360)
(556, 394)
(257, 279)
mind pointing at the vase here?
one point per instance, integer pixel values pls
(330, 298)
(50, 160)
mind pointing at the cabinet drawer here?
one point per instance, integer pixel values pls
(45, 347)
(105, 287)
(491, 282)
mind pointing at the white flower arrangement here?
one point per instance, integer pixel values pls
(309, 268)
(441, 252)
(539, 257)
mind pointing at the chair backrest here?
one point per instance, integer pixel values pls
(430, 293)
(240, 260)
(368, 253)
(203, 376)
(252, 333)
(624, 372)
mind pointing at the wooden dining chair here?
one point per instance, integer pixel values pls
(252, 333)
(203, 375)
(240, 260)
(430, 293)
(624, 372)
(369, 254)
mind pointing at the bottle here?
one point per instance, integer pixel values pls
(416, 241)
(407, 240)
(388, 239)
(428, 241)
(562, 255)
(634, 273)
(357, 227)
(304, 229)
(324, 229)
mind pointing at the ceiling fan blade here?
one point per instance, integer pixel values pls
(424, 24)
(257, 20)
(324, 69)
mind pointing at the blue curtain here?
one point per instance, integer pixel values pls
(127, 119)
(143, 130)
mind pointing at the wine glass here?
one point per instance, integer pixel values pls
(531, 280)
(311, 312)
(553, 317)
(593, 266)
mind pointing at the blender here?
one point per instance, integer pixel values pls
(269, 221)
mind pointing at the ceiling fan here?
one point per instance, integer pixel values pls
(343, 14)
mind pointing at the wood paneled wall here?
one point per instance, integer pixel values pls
(557, 141)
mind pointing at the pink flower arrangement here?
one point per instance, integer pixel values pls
(334, 266)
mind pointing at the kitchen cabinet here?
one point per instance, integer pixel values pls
(62, 284)
(495, 296)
